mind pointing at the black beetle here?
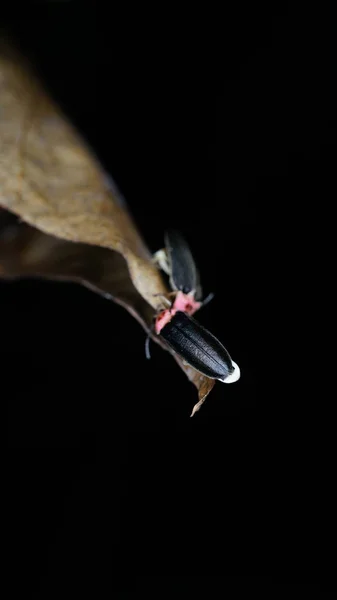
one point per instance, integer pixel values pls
(196, 345)
(177, 262)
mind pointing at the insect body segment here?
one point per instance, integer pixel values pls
(186, 303)
(177, 262)
(182, 303)
(183, 271)
(199, 348)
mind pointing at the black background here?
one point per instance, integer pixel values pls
(221, 124)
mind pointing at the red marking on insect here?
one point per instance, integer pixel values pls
(183, 302)
(163, 318)
(186, 303)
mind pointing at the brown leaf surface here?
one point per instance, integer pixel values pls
(28, 252)
(51, 180)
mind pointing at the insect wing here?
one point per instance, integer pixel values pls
(197, 346)
(184, 275)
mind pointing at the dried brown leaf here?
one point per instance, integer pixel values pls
(28, 252)
(50, 179)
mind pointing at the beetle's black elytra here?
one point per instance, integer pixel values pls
(183, 271)
(197, 346)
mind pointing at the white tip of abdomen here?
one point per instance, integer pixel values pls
(235, 376)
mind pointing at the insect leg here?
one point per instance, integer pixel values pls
(147, 347)
(207, 299)
(166, 302)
